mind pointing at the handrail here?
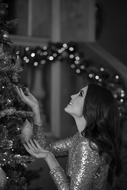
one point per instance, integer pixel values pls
(28, 41)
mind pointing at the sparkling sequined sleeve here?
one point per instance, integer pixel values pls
(59, 147)
(85, 166)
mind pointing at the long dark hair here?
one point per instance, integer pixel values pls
(103, 124)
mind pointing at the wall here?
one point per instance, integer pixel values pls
(114, 35)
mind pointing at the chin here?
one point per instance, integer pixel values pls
(67, 110)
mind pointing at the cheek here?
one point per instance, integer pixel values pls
(79, 110)
(75, 109)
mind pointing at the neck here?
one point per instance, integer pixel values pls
(81, 123)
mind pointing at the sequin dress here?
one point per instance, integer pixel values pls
(86, 170)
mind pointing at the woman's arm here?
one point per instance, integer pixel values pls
(85, 165)
(37, 151)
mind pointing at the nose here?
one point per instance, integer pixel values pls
(73, 96)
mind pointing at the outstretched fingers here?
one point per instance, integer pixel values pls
(35, 150)
(37, 144)
(31, 146)
(20, 92)
(29, 150)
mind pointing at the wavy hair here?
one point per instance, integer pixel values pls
(103, 124)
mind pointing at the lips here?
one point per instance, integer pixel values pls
(70, 103)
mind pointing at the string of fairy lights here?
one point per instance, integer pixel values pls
(70, 54)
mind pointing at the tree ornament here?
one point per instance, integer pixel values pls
(5, 35)
(2, 89)
(5, 142)
(3, 9)
(17, 129)
(9, 102)
(2, 12)
(27, 131)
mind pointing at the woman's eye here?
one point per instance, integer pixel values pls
(81, 93)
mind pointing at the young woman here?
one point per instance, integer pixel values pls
(93, 152)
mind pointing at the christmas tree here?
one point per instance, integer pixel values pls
(13, 113)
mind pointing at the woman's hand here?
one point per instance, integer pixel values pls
(35, 149)
(28, 99)
(31, 101)
(38, 152)
(27, 131)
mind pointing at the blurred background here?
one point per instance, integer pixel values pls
(63, 45)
